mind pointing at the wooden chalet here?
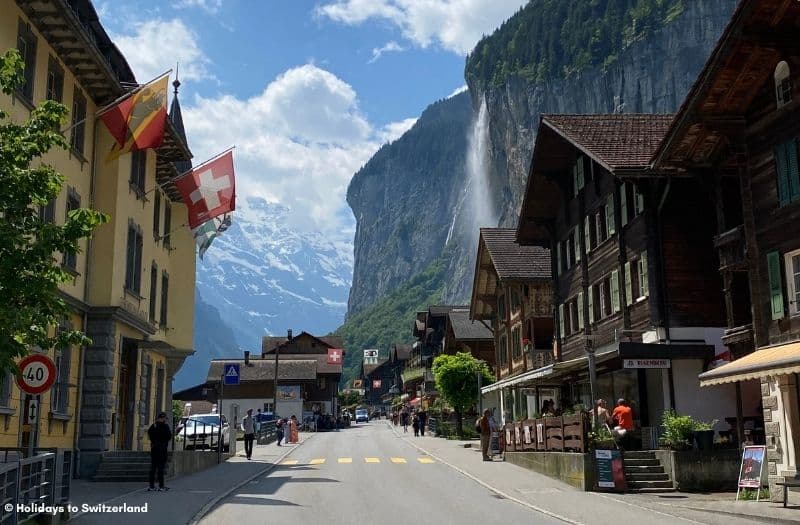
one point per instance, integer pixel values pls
(398, 356)
(463, 334)
(738, 132)
(377, 380)
(635, 279)
(512, 293)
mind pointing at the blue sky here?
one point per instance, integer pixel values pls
(306, 90)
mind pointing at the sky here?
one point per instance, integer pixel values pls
(307, 91)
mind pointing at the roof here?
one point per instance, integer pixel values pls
(264, 369)
(269, 343)
(322, 362)
(176, 117)
(442, 309)
(370, 368)
(617, 141)
(512, 261)
(465, 329)
(770, 361)
(403, 352)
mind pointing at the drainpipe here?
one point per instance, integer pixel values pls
(661, 272)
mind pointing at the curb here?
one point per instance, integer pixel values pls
(200, 514)
(491, 488)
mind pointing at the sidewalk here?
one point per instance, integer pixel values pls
(571, 505)
(187, 496)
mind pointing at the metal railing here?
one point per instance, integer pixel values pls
(63, 467)
(266, 432)
(28, 482)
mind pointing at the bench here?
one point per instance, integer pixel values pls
(788, 483)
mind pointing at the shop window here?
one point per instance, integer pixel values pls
(783, 84)
(78, 137)
(26, 45)
(793, 281)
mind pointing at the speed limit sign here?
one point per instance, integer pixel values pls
(37, 374)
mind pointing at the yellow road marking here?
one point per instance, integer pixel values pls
(425, 460)
(372, 460)
(398, 460)
(290, 462)
(317, 461)
(345, 460)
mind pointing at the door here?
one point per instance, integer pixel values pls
(125, 395)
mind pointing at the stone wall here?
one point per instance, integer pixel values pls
(701, 471)
(571, 468)
(185, 462)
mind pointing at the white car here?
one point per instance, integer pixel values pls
(362, 415)
(202, 431)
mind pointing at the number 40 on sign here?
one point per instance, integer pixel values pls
(37, 373)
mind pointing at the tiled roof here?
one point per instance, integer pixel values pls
(512, 261)
(369, 369)
(403, 352)
(467, 330)
(443, 309)
(264, 369)
(618, 141)
(322, 362)
(269, 343)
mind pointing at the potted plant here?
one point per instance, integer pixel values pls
(678, 431)
(704, 434)
(603, 439)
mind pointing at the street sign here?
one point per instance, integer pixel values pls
(37, 374)
(33, 410)
(231, 374)
(647, 363)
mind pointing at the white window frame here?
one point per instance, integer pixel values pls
(782, 75)
(794, 305)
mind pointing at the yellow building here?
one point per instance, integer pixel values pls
(133, 291)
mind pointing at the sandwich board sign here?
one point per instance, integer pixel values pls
(231, 374)
(751, 472)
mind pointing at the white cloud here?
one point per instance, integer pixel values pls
(156, 45)
(389, 47)
(455, 25)
(298, 142)
(210, 6)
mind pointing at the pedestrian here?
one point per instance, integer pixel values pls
(279, 426)
(486, 433)
(249, 428)
(160, 436)
(623, 422)
(404, 420)
(293, 430)
(415, 424)
(601, 413)
(423, 418)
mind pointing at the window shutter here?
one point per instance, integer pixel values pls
(793, 170)
(610, 224)
(558, 258)
(775, 285)
(591, 304)
(561, 321)
(577, 237)
(587, 234)
(782, 172)
(623, 202)
(628, 284)
(615, 291)
(580, 310)
(644, 288)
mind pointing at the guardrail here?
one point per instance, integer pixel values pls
(27, 484)
(63, 466)
(267, 432)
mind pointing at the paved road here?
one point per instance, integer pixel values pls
(367, 474)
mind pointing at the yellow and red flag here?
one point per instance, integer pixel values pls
(137, 122)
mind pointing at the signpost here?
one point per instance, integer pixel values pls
(609, 470)
(751, 471)
(231, 374)
(37, 373)
(230, 377)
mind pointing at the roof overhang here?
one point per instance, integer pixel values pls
(765, 362)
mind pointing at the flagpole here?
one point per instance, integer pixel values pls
(176, 177)
(173, 231)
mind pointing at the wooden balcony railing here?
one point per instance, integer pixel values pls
(732, 249)
(549, 434)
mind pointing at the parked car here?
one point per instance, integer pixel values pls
(362, 416)
(203, 431)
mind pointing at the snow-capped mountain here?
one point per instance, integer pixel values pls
(265, 278)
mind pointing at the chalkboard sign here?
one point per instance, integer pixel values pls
(751, 472)
(609, 470)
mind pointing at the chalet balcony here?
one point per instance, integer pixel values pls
(738, 336)
(413, 374)
(732, 250)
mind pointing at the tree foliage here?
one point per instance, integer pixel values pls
(30, 272)
(456, 379)
(557, 38)
(348, 398)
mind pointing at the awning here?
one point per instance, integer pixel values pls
(414, 401)
(767, 361)
(522, 378)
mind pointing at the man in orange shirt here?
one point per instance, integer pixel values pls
(623, 416)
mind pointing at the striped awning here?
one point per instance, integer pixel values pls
(767, 361)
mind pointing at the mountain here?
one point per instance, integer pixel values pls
(264, 278)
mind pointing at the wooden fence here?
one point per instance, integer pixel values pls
(550, 434)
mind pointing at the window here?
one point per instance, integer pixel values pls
(590, 233)
(558, 258)
(47, 213)
(636, 284)
(59, 395)
(159, 389)
(26, 45)
(604, 297)
(77, 139)
(167, 223)
(503, 349)
(516, 343)
(164, 298)
(600, 225)
(638, 200)
(73, 203)
(147, 380)
(644, 283)
(133, 262)
(783, 84)
(501, 308)
(574, 323)
(788, 174)
(578, 175)
(5, 390)
(153, 291)
(157, 216)
(562, 322)
(268, 408)
(55, 80)
(610, 221)
(516, 301)
(138, 171)
(793, 281)
(623, 203)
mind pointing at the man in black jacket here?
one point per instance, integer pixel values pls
(160, 436)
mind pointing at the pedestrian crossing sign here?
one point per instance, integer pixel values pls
(231, 374)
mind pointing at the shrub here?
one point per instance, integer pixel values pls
(677, 431)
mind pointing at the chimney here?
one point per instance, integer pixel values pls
(247, 358)
(289, 334)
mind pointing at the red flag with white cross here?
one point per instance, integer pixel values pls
(209, 190)
(335, 356)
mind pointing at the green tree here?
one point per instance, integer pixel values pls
(30, 273)
(177, 411)
(348, 398)
(457, 380)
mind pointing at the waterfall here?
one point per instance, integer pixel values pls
(483, 213)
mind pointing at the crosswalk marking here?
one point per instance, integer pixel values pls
(372, 460)
(345, 460)
(398, 460)
(290, 462)
(317, 461)
(425, 460)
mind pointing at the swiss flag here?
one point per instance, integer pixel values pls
(376, 383)
(209, 190)
(335, 356)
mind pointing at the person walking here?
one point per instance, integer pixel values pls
(415, 424)
(601, 413)
(404, 420)
(280, 425)
(160, 436)
(486, 434)
(622, 416)
(249, 428)
(423, 418)
(293, 430)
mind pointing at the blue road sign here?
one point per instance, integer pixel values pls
(231, 374)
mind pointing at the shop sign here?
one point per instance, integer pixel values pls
(752, 474)
(647, 363)
(609, 470)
